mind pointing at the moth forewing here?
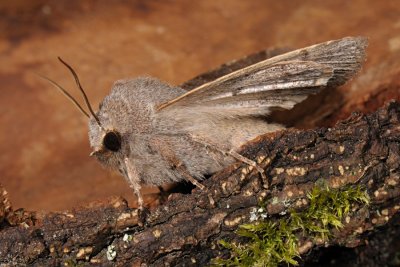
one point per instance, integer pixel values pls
(344, 56)
(282, 85)
(272, 80)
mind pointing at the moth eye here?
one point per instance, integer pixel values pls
(112, 141)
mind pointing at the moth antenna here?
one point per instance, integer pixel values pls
(64, 92)
(81, 89)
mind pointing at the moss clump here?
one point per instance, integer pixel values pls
(272, 243)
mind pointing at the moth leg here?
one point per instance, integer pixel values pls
(164, 148)
(182, 170)
(235, 155)
(134, 181)
(180, 167)
(247, 161)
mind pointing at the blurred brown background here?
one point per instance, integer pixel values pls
(44, 162)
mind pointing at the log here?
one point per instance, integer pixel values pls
(187, 229)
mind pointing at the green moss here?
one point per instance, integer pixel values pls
(272, 243)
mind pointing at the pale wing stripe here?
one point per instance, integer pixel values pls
(296, 84)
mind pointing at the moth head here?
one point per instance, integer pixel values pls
(107, 138)
(107, 143)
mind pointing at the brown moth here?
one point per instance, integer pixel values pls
(154, 133)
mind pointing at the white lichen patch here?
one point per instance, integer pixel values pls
(286, 202)
(296, 171)
(127, 238)
(257, 214)
(157, 233)
(111, 253)
(253, 215)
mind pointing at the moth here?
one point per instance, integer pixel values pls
(155, 133)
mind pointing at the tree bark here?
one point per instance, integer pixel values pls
(364, 150)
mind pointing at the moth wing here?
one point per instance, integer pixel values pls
(277, 82)
(231, 66)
